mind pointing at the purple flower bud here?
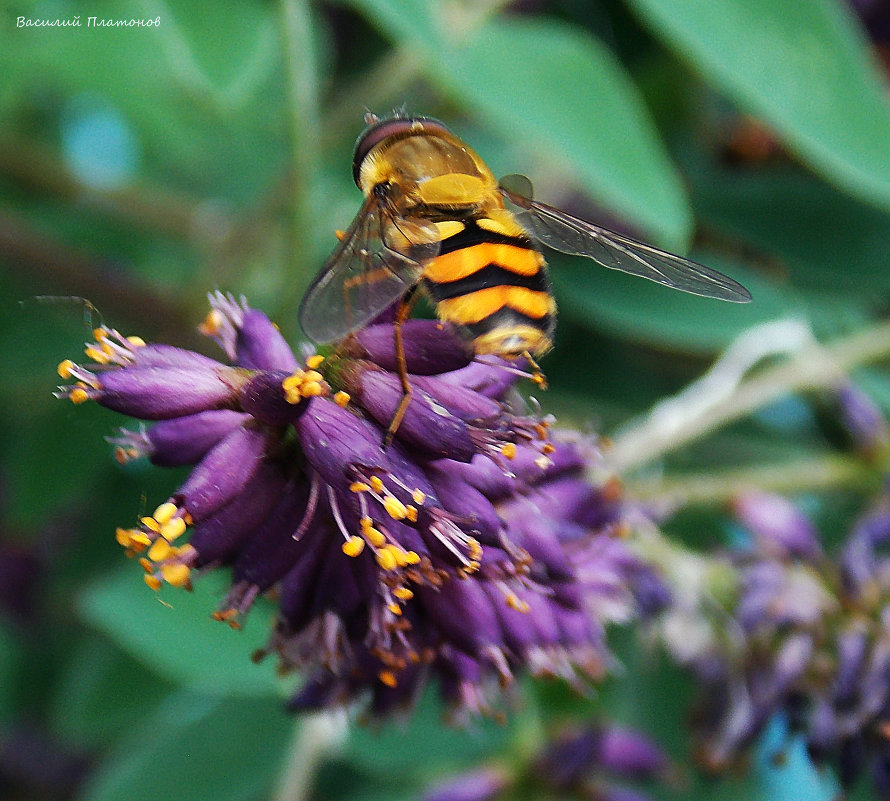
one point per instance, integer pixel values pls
(464, 614)
(460, 401)
(862, 419)
(629, 753)
(427, 425)
(431, 347)
(181, 440)
(852, 652)
(781, 529)
(273, 548)
(260, 345)
(333, 438)
(491, 378)
(223, 473)
(482, 784)
(157, 393)
(462, 499)
(219, 534)
(298, 586)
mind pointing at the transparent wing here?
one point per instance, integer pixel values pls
(561, 231)
(378, 259)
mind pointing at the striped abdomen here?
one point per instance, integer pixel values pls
(494, 288)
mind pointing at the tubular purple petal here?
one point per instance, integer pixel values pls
(159, 393)
(464, 403)
(431, 347)
(260, 345)
(333, 438)
(218, 536)
(427, 425)
(223, 473)
(185, 440)
(629, 753)
(782, 529)
(482, 784)
(464, 614)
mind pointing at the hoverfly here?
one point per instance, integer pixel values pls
(435, 217)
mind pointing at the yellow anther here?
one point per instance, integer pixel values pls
(411, 513)
(176, 574)
(387, 677)
(374, 536)
(78, 395)
(293, 381)
(342, 398)
(472, 566)
(311, 390)
(403, 593)
(386, 559)
(411, 558)
(475, 548)
(340, 234)
(124, 536)
(515, 602)
(64, 368)
(146, 565)
(151, 524)
(360, 486)
(139, 540)
(152, 581)
(99, 334)
(188, 518)
(211, 325)
(419, 497)
(96, 354)
(395, 508)
(508, 450)
(175, 528)
(164, 512)
(136, 342)
(160, 550)
(314, 361)
(314, 376)
(365, 522)
(376, 484)
(394, 608)
(548, 448)
(353, 546)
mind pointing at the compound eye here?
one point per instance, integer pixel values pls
(393, 127)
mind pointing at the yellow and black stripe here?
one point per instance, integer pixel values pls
(494, 288)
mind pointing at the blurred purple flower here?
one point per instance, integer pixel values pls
(471, 548)
(806, 636)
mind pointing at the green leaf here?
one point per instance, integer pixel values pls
(173, 633)
(826, 239)
(425, 745)
(645, 312)
(567, 97)
(195, 748)
(804, 67)
(101, 692)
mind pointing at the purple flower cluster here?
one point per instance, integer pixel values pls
(808, 636)
(591, 762)
(471, 547)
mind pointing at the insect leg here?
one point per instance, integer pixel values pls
(401, 315)
(537, 376)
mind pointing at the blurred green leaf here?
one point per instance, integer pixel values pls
(195, 748)
(101, 691)
(424, 744)
(825, 238)
(173, 632)
(645, 312)
(10, 664)
(569, 99)
(800, 64)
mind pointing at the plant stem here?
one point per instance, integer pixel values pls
(315, 737)
(811, 367)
